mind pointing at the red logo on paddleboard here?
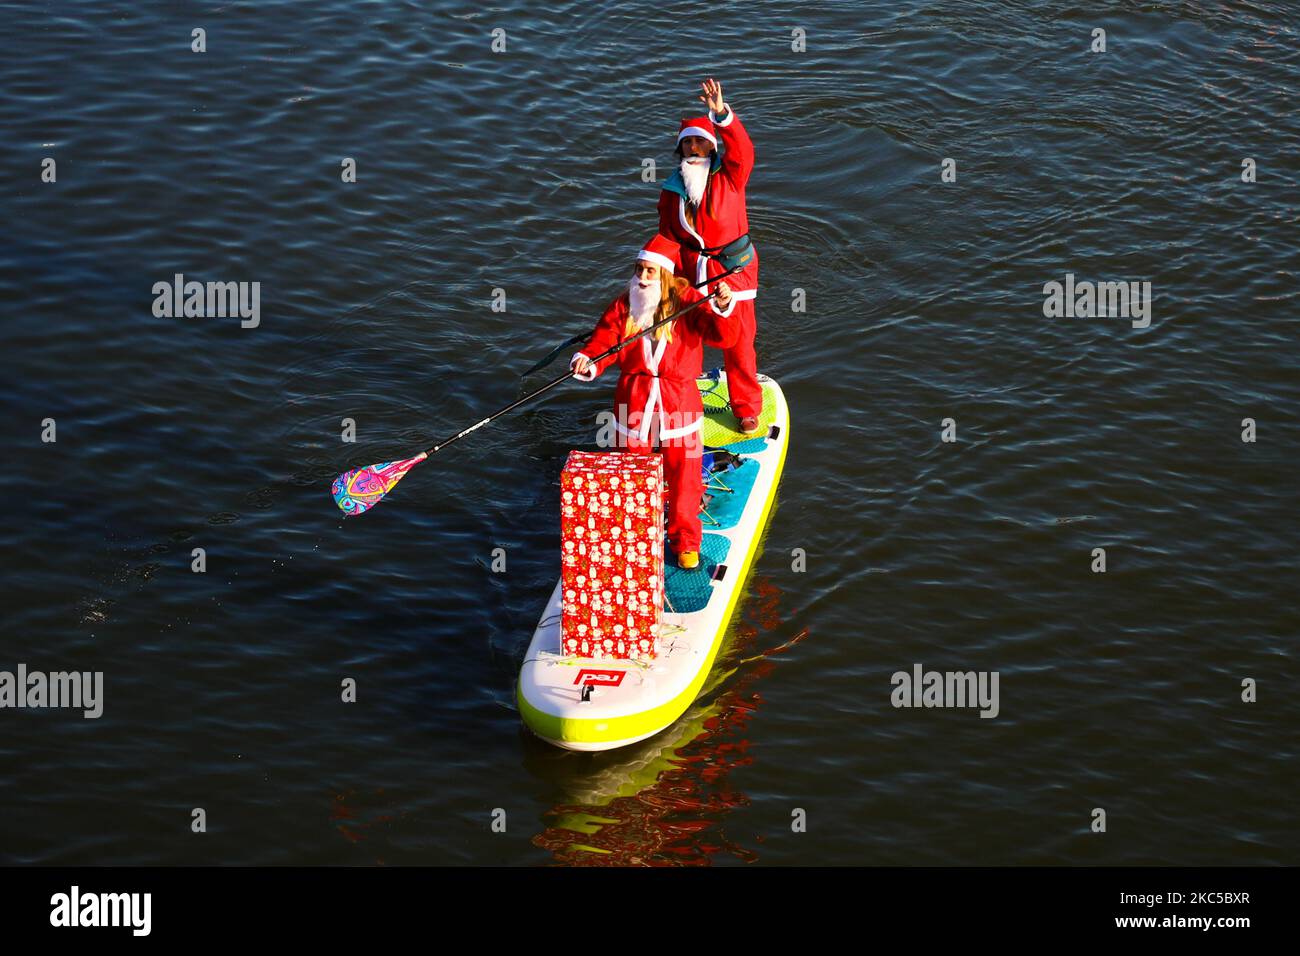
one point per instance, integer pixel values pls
(593, 675)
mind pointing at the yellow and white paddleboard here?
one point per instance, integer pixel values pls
(600, 704)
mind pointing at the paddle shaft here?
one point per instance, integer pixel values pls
(579, 338)
(568, 375)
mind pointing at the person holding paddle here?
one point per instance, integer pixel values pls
(653, 304)
(656, 395)
(702, 207)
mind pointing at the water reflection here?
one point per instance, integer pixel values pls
(665, 802)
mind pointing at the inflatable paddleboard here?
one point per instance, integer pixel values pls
(599, 704)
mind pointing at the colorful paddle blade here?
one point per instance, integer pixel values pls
(361, 489)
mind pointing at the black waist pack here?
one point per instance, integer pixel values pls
(735, 255)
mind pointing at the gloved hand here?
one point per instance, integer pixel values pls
(584, 370)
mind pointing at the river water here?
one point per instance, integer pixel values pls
(521, 170)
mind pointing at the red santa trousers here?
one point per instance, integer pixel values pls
(746, 395)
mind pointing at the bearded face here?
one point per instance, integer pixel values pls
(643, 297)
(695, 176)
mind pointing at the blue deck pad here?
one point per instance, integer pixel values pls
(750, 446)
(726, 509)
(690, 590)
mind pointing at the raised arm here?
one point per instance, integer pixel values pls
(737, 148)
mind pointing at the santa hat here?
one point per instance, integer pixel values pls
(697, 126)
(663, 252)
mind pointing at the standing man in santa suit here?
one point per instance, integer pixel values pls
(702, 207)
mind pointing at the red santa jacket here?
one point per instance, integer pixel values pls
(721, 216)
(658, 376)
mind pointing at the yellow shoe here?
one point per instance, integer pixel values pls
(688, 559)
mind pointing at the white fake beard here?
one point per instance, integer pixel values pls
(695, 176)
(642, 302)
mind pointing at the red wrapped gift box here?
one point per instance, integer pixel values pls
(611, 553)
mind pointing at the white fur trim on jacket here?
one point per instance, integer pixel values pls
(681, 217)
(586, 376)
(731, 305)
(737, 295)
(730, 116)
(653, 406)
(663, 432)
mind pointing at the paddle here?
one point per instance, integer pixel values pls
(583, 336)
(580, 337)
(359, 490)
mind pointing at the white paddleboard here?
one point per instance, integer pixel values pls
(599, 704)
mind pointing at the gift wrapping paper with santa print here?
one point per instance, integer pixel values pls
(611, 554)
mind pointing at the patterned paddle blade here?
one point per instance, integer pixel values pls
(361, 489)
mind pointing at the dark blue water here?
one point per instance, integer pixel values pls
(520, 170)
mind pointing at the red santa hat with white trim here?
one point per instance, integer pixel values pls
(663, 252)
(697, 126)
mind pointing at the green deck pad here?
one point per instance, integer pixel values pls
(689, 591)
(720, 424)
(750, 446)
(726, 509)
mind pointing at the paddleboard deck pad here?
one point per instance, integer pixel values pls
(599, 704)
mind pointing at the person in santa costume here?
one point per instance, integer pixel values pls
(656, 395)
(702, 207)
